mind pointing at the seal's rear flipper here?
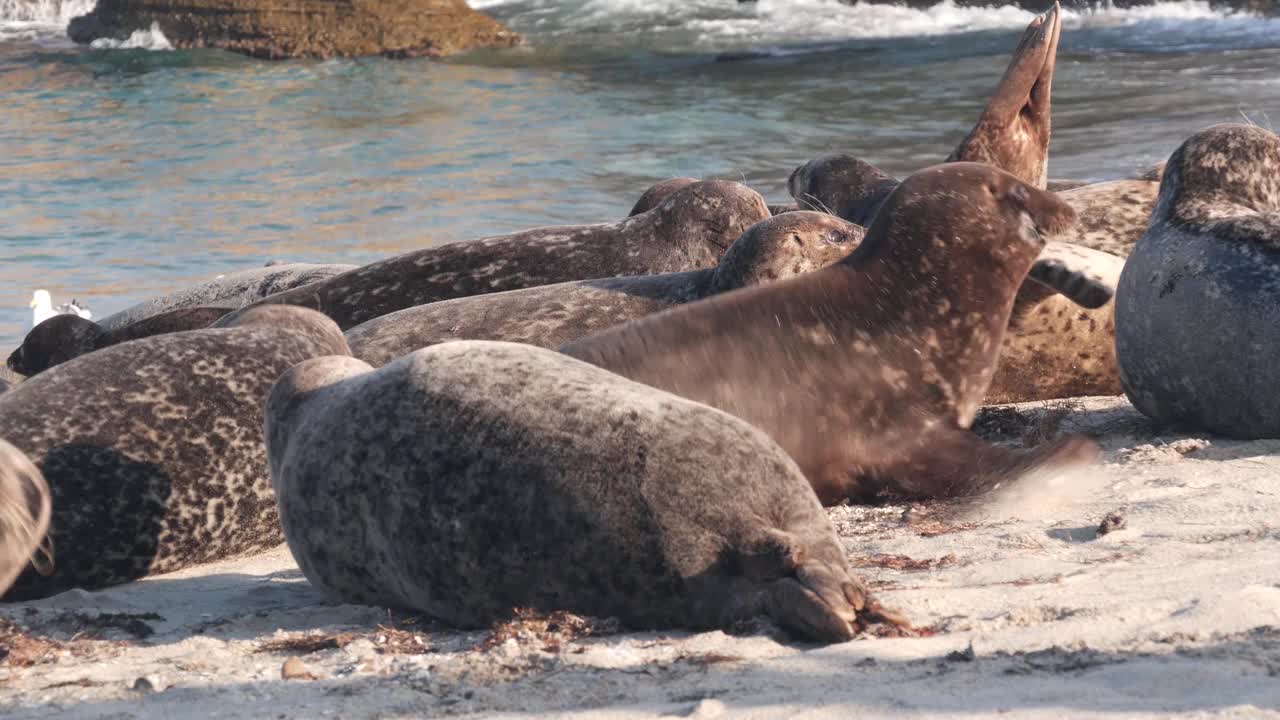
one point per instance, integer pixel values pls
(951, 462)
(1085, 276)
(1013, 131)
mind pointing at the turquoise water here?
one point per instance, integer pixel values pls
(125, 173)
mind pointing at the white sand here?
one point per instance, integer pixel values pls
(1177, 614)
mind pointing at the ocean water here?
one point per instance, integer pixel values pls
(131, 169)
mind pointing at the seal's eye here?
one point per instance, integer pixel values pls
(836, 237)
(1019, 193)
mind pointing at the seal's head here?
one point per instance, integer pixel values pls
(842, 185)
(687, 213)
(53, 342)
(293, 318)
(1013, 131)
(659, 192)
(785, 246)
(1225, 180)
(955, 218)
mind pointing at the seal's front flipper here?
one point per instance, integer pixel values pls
(1085, 276)
(25, 507)
(948, 461)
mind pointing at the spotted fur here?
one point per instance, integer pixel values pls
(689, 230)
(471, 478)
(24, 514)
(153, 448)
(1195, 308)
(551, 315)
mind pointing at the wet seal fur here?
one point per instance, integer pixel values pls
(64, 337)
(1196, 329)
(870, 371)
(234, 290)
(24, 513)
(658, 193)
(691, 229)
(472, 478)
(153, 448)
(551, 315)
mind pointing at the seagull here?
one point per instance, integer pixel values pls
(42, 308)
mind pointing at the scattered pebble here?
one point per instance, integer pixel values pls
(148, 684)
(1112, 522)
(295, 669)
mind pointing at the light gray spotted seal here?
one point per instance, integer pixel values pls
(235, 289)
(471, 478)
(551, 315)
(1196, 330)
(153, 448)
(63, 337)
(869, 372)
(691, 229)
(24, 513)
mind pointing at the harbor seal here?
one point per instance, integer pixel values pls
(63, 337)
(24, 513)
(551, 315)
(1196, 331)
(153, 448)
(691, 229)
(658, 193)
(869, 372)
(235, 290)
(471, 478)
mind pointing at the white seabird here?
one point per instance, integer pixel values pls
(42, 308)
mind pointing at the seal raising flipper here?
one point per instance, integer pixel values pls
(841, 362)
(1087, 277)
(1013, 131)
(24, 512)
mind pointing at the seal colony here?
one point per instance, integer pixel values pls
(722, 374)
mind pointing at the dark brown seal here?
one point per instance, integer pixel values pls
(869, 372)
(63, 337)
(1196, 330)
(690, 230)
(471, 478)
(153, 448)
(551, 315)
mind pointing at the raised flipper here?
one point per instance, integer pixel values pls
(1013, 131)
(1085, 276)
(25, 507)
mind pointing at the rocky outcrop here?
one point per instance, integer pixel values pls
(278, 29)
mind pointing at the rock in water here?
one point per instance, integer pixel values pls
(473, 477)
(1196, 330)
(301, 28)
(153, 448)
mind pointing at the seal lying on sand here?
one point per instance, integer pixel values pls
(690, 230)
(872, 369)
(63, 337)
(658, 193)
(233, 290)
(472, 478)
(24, 513)
(551, 315)
(1196, 330)
(153, 448)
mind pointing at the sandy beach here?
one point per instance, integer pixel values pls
(1146, 586)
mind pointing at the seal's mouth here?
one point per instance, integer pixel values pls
(14, 362)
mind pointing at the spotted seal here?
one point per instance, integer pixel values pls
(691, 229)
(658, 193)
(1195, 308)
(869, 372)
(551, 315)
(63, 337)
(24, 513)
(234, 289)
(153, 448)
(471, 478)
